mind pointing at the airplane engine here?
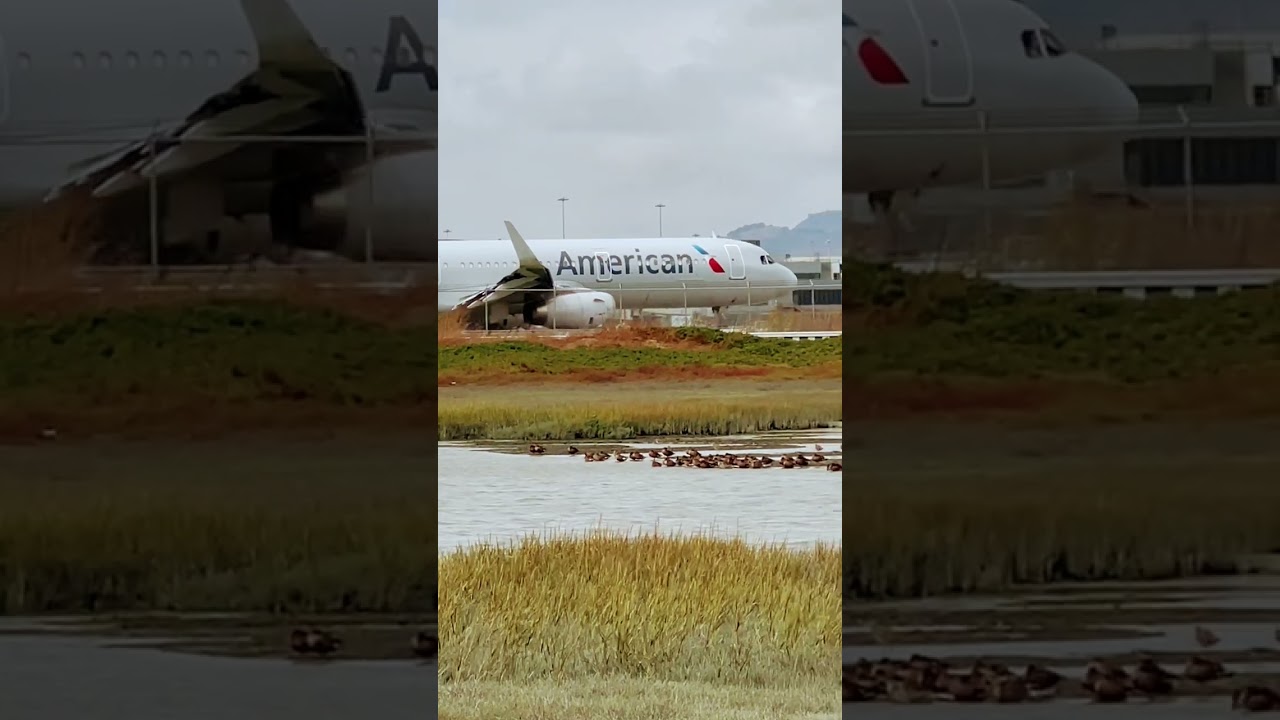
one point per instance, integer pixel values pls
(576, 311)
(398, 206)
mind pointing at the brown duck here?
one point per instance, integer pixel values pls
(313, 642)
(1255, 699)
(1151, 679)
(424, 644)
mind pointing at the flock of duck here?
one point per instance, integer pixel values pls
(319, 643)
(666, 457)
(925, 679)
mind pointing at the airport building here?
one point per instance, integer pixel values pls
(1222, 86)
(819, 280)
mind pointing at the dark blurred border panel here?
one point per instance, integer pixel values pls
(217, 416)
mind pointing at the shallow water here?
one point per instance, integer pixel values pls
(80, 677)
(1064, 710)
(1170, 638)
(486, 494)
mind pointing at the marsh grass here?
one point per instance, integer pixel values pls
(801, 320)
(610, 412)
(660, 607)
(962, 531)
(221, 527)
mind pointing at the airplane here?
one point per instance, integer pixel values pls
(99, 99)
(930, 65)
(578, 284)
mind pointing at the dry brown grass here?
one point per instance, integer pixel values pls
(41, 246)
(411, 308)
(1095, 235)
(801, 320)
(1251, 393)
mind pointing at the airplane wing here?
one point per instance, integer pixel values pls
(519, 292)
(295, 88)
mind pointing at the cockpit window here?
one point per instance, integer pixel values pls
(1052, 45)
(1031, 44)
(766, 260)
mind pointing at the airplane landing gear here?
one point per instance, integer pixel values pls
(893, 222)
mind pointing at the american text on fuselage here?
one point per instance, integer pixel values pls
(636, 263)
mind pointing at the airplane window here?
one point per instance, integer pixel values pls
(131, 60)
(350, 56)
(104, 61)
(158, 59)
(77, 61)
(1031, 44)
(243, 57)
(184, 59)
(211, 58)
(24, 61)
(1052, 45)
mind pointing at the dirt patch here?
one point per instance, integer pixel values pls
(200, 419)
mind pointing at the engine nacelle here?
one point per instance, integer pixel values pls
(576, 311)
(402, 215)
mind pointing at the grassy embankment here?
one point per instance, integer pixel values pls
(234, 364)
(578, 626)
(273, 519)
(1068, 366)
(637, 382)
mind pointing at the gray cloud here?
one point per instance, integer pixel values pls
(728, 111)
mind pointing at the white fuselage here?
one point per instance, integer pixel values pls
(914, 68)
(638, 273)
(80, 80)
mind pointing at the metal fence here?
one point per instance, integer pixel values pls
(116, 198)
(1181, 188)
(761, 306)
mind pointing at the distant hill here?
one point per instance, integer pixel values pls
(818, 234)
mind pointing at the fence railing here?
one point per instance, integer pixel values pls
(1181, 188)
(802, 297)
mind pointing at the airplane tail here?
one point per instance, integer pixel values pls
(528, 260)
(281, 37)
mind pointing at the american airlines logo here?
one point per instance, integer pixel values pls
(711, 261)
(877, 61)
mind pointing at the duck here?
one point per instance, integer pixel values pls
(1040, 679)
(835, 467)
(573, 450)
(1253, 698)
(1010, 689)
(1109, 690)
(312, 641)
(1203, 670)
(536, 449)
(1151, 679)
(424, 644)
(1205, 637)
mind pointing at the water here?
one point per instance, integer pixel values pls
(490, 495)
(80, 677)
(1219, 707)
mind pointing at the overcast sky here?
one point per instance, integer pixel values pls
(727, 111)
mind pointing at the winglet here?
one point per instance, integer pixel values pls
(525, 255)
(281, 36)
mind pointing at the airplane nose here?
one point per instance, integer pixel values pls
(1114, 99)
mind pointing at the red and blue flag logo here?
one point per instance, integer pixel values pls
(711, 261)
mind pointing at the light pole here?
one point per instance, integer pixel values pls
(659, 206)
(446, 233)
(562, 201)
